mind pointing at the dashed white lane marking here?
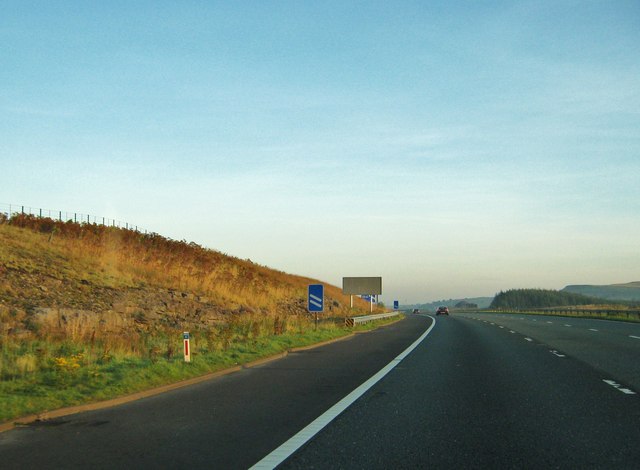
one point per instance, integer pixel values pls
(556, 353)
(616, 385)
(635, 337)
(280, 454)
(592, 329)
(568, 326)
(528, 339)
(511, 331)
(550, 322)
(501, 327)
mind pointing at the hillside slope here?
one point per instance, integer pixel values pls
(89, 313)
(54, 269)
(624, 292)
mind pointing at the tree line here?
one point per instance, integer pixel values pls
(541, 298)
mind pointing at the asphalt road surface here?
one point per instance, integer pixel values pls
(226, 423)
(478, 394)
(470, 395)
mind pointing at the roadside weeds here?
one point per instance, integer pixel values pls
(66, 411)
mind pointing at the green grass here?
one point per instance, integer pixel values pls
(72, 374)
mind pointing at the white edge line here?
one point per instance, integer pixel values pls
(619, 387)
(283, 452)
(636, 337)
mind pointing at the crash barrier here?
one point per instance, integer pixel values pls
(630, 314)
(351, 321)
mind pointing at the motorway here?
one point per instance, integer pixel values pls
(479, 391)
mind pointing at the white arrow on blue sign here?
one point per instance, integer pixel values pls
(396, 305)
(316, 298)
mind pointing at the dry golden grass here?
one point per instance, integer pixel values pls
(116, 258)
(111, 292)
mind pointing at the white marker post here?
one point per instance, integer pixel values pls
(187, 347)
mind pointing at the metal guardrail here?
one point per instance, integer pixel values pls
(351, 321)
(630, 314)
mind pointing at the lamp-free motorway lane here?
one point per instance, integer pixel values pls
(475, 395)
(470, 395)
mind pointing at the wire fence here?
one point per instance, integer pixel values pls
(13, 210)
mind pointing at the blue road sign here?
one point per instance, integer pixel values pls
(316, 298)
(396, 305)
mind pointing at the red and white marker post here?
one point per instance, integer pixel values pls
(187, 346)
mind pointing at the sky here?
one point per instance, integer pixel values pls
(456, 149)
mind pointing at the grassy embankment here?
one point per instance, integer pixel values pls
(89, 313)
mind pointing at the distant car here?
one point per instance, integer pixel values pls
(442, 311)
(415, 310)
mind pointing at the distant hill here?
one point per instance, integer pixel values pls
(541, 298)
(481, 302)
(619, 292)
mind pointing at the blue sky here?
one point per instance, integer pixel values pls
(454, 148)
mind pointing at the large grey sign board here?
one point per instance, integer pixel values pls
(362, 285)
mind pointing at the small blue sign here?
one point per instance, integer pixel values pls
(396, 305)
(369, 298)
(185, 335)
(316, 298)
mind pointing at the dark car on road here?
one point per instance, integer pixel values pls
(442, 311)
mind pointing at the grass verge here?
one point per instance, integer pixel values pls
(73, 376)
